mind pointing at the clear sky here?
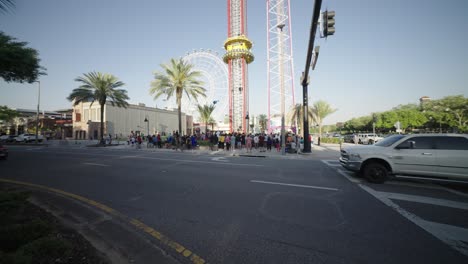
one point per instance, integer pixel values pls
(384, 53)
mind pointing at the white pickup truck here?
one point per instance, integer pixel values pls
(442, 156)
(29, 138)
(368, 139)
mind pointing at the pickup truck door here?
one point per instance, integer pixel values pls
(452, 156)
(415, 156)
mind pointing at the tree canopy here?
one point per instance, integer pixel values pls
(7, 114)
(176, 79)
(449, 114)
(18, 63)
(205, 112)
(321, 110)
(101, 87)
(6, 5)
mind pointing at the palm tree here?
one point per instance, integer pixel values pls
(6, 5)
(262, 121)
(100, 87)
(296, 116)
(178, 78)
(321, 109)
(205, 112)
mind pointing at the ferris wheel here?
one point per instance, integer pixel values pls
(214, 75)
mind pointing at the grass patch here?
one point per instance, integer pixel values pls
(30, 235)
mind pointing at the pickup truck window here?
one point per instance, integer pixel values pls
(419, 143)
(452, 143)
(388, 141)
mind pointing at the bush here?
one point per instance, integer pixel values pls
(203, 142)
(44, 250)
(14, 236)
(332, 140)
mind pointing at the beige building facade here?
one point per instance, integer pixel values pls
(119, 122)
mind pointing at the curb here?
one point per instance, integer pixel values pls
(121, 238)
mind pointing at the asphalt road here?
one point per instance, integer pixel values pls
(260, 210)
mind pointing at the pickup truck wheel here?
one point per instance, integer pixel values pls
(375, 172)
(370, 142)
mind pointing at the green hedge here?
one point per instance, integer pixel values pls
(203, 142)
(333, 140)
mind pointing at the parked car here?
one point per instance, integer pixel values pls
(424, 155)
(7, 138)
(28, 138)
(368, 139)
(348, 138)
(3, 152)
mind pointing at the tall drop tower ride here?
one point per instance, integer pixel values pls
(237, 57)
(280, 62)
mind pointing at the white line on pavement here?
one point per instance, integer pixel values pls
(451, 235)
(95, 164)
(426, 185)
(223, 159)
(350, 178)
(164, 159)
(208, 162)
(332, 163)
(296, 185)
(422, 199)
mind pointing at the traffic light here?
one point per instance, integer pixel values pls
(328, 23)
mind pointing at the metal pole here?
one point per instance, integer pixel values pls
(305, 74)
(37, 117)
(281, 72)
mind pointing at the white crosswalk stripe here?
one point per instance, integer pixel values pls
(454, 236)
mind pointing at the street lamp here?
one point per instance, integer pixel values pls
(147, 124)
(37, 117)
(247, 122)
(281, 71)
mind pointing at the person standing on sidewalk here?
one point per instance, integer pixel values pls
(269, 142)
(256, 140)
(227, 140)
(221, 141)
(261, 142)
(248, 143)
(233, 142)
(139, 141)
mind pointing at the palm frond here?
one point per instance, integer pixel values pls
(6, 5)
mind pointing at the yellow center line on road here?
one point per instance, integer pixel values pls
(136, 223)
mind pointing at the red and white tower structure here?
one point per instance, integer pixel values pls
(237, 57)
(280, 62)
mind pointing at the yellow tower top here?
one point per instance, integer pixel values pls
(238, 47)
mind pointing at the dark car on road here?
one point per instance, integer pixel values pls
(3, 152)
(7, 138)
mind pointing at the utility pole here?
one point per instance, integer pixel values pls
(305, 74)
(281, 71)
(328, 29)
(37, 116)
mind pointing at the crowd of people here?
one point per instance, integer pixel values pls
(261, 142)
(174, 141)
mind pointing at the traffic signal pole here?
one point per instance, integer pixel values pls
(305, 74)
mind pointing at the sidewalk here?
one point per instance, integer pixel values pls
(323, 151)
